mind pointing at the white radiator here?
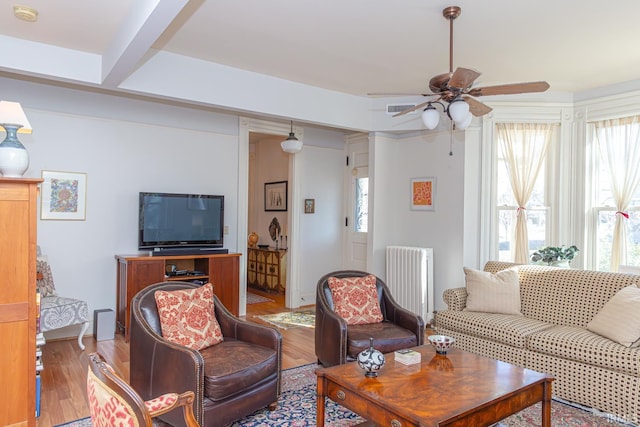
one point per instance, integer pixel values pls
(410, 278)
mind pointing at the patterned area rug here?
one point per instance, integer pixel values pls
(256, 299)
(291, 319)
(297, 407)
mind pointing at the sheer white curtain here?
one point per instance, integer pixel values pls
(618, 141)
(524, 147)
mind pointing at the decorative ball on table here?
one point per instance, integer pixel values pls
(253, 239)
(371, 360)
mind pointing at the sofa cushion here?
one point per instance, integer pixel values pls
(511, 329)
(619, 319)
(579, 344)
(355, 299)
(548, 291)
(233, 367)
(493, 292)
(387, 337)
(187, 317)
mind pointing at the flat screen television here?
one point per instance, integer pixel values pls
(180, 221)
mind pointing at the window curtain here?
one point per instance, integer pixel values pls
(618, 141)
(524, 148)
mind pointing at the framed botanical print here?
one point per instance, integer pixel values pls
(63, 195)
(275, 196)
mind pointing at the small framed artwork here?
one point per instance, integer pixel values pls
(63, 195)
(423, 194)
(275, 196)
(309, 206)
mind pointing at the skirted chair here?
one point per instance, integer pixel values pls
(58, 311)
(344, 325)
(231, 378)
(112, 402)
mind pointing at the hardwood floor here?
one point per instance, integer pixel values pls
(65, 365)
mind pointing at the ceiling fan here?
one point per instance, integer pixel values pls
(455, 88)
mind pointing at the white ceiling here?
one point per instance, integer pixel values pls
(350, 46)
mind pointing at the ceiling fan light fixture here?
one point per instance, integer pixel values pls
(430, 117)
(462, 125)
(458, 110)
(291, 145)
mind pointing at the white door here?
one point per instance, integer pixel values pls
(357, 203)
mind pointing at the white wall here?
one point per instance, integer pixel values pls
(321, 243)
(124, 146)
(396, 162)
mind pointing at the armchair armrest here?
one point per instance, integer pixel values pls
(404, 318)
(331, 332)
(234, 327)
(168, 402)
(455, 298)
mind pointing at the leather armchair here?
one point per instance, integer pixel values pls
(231, 379)
(338, 343)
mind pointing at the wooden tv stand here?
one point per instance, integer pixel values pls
(136, 272)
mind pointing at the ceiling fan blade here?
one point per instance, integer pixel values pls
(408, 110)
(462, 78)
(509, 89)
(476, 107)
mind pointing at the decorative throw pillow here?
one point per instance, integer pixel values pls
(355, 299)
(44, 278)
(619, 319)
(493, 292)
(187, 317)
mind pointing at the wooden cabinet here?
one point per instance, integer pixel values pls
(18, 300)
(266, 269)
(136, 272)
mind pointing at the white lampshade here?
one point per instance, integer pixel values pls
(12, 113)
(458, 110)
(292, 144)
(465, 123)
(430, 117)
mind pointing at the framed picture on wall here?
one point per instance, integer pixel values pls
(423, 194)
(64, 195)
(309, 206)
(275, 196)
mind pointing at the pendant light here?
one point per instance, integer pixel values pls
(292, 144)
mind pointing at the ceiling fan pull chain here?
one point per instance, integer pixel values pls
(451, 139)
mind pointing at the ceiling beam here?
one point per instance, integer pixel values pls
(146, 21)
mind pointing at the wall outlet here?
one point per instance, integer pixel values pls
(226, 229)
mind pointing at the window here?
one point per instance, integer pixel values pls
(615, 194)
(507, 209)
(361, 205)
(523, 178)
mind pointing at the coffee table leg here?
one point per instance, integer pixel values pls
(320, 404)
(546, 405)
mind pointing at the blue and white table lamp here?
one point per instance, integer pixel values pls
(14, 158)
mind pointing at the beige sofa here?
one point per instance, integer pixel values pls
(551, 335)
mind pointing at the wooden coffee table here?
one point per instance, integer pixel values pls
(459, 389)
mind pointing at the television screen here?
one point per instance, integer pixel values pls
(169, 220)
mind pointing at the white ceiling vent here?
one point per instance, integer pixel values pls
(396, 108)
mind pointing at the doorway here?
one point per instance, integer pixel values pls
(267, 219)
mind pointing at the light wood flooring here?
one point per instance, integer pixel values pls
(65, 365)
